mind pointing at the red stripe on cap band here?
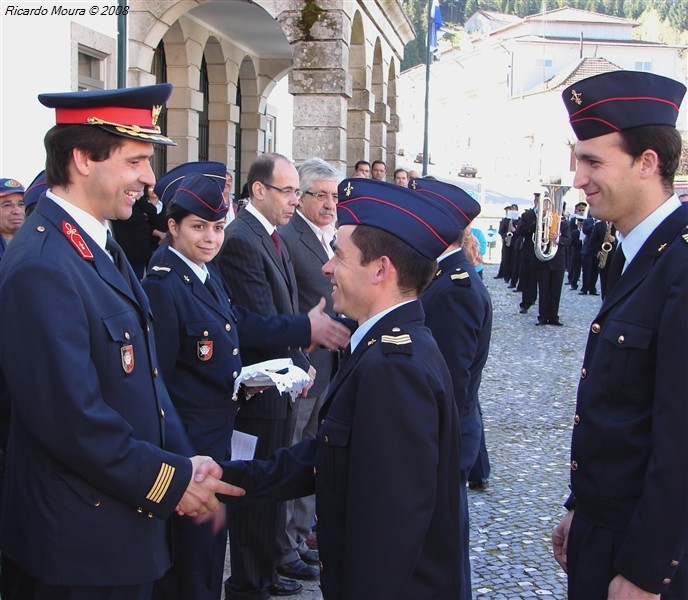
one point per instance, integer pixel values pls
(203, 202)
(399, 208)
(143, 117)
(607, 123)
(342, 207)
(628, 99)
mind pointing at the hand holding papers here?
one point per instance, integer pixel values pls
(279, 372)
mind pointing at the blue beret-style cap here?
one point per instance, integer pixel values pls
(35, 189)
(167, 185)
(10, 186)
(621, 100)
(129, 112)
(202, 196)
(423, 224)
(462, 206)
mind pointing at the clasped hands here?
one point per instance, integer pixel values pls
(200, 496)
(325, 331)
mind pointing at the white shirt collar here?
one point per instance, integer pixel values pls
(201, 272)
(326, 232)
(96, 230)
(269, 227)
(366, 326)
(633, 242)
(448, 254)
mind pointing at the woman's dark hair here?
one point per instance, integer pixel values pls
(664, 140)
(62, 139)
(175, 212)
(414, 270)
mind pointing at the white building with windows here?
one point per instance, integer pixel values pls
(496, 102)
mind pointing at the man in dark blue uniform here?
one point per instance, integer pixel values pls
(626, 532)
(93, 462)
(458, 312)
(385, 464)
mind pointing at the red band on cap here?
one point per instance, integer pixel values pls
(626, 99)
(222, 207)
(143, 117)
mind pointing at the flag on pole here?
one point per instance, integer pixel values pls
(435, 23)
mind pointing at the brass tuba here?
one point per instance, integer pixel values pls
(549, 214)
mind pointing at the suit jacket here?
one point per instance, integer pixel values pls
(458, 311)
(389, 418)
(630, 449)
(198, 340)
(89, 483)
(308, 258)
(526, 229)
(265, 284)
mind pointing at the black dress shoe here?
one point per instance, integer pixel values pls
(593, 293)
(574, 288)
(284, 587)
(558, 323)
(478, 485)
(297, 569)
(540, 322)
(511, 286)
(582, 293)
(523, 311)
(310, 557)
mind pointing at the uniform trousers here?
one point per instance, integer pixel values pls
(590, 555)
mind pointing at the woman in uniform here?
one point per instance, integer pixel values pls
(197, 336)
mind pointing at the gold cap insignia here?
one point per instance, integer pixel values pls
(155, 113)
(576, 97)
(348, 189)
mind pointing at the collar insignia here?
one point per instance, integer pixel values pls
(73, 235)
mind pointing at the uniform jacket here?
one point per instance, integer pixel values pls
(389, 418)
(526, 229)
(265, 284)
(88, 484)
(308, 257)
(458, 311)
(198, 341)
(629, 453)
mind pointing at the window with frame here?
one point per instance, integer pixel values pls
(91, 67)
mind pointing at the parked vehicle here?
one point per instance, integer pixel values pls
(468, 170)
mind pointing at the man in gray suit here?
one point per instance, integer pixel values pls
(308, 236)
(258, 268)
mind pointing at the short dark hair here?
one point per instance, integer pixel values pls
(400, 170)
(262, 169)
(663, 139)
(379, 162)
(414, 270)
(62, 139)
(360, 162)
(175, 212)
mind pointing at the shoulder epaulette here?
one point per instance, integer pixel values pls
(461, 278)
(158, 271)
(685, 235)
(397, 342)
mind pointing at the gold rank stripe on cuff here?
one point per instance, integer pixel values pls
(162, 483)
(399, 340)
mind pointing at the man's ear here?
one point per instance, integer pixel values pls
(648, 163)
(82, 161)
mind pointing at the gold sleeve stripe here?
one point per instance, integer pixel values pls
(463, 275)
(399, 340)
(162, 483)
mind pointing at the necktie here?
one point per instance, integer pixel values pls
(615, 269)
(278, 245)
(211, 288)
(118, 257)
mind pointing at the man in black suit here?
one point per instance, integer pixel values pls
(626, 532)
(259, 270)
(528, 263)
(550, 276)
(308, 236)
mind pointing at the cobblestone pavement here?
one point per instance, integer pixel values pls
(528, 398)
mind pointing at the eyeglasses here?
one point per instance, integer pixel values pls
(322, 196)
(286, 192)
